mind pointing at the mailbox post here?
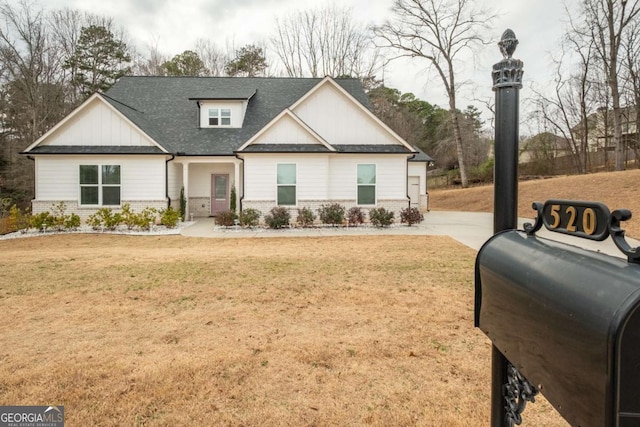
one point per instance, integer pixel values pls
(507, 81)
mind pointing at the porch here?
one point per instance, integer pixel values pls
(207, 184)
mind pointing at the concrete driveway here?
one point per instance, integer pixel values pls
(472, 229)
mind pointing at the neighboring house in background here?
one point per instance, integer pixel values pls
(294, 142)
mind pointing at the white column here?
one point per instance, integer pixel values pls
(236, 177)
(185, 184)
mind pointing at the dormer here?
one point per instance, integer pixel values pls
(219, 109)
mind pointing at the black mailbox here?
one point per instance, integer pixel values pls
(569, 320)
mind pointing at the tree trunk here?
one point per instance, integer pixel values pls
(457, 135)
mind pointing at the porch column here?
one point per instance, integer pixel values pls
(236, 182)
(185, 185)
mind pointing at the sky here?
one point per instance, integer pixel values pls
(176, 25)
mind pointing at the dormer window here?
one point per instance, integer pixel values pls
(219, 117)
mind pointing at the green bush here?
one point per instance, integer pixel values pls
(278, 217)
(129, 218)
(249, 217)
(411, 216)
(18, 220)
(306, 217)
(183, 204)
(146, 218)
(380, 217)
(71, 222)
(233, 197)
(169, 217)
(331, 214)
(226, 218)
(355, 216)
(41, 221)
(104, 218)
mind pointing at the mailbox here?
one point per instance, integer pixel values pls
(568, 319)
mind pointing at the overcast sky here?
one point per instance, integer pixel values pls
(176, 25)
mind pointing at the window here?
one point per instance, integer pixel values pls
(100, 185)
(219, 117)
(366, 184)
(286, 184)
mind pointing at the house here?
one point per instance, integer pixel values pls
(294, 142)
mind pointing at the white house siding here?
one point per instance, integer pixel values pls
(142, 181)
(98, 124)
(286, 131)
(419, 169)
(339, 121)
(174, 175)
(325, 178)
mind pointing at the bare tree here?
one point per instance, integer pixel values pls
(437, 31)
(32, 91)
(213, 57)
(631, 67)
(324, 42)
(606, 22)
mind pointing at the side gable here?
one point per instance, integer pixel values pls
(95, 123)
(341, 120)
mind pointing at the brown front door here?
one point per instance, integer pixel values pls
(219, 193)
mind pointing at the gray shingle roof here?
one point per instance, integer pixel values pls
(166, 110)
(286, 148)
(421, 156)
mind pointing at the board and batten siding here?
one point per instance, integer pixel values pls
(98, 125)
(286, 131)
(336, 119)
(175, 177)
(200, 177)
(141, 177)
(261, 179)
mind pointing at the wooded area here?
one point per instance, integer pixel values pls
(52, 60)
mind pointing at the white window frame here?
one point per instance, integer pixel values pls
(374, 185)
(219, 116)
(99, 185)
(294, 185)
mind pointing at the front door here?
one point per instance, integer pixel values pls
(219, 193)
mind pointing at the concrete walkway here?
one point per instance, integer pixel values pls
(472, 229)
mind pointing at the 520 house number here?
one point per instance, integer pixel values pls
(582, 219)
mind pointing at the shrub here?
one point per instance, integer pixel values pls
(305, 217)
(380, 217)
(146, 218)
(226, 218)
(104, 218)
(249, 217)
(169, 217)
(278, 217)
(71, 222)
(355, 216)
(233, 197)
(183, 204)
(129, 218)
(331, 214)
(411, 216)
(41, 221)
(18, 220)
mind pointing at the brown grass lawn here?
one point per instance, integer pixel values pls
(615, 189)
(172, 331)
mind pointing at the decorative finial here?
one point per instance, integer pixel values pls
(508, 43)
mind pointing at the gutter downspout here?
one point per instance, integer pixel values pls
(166, 179)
